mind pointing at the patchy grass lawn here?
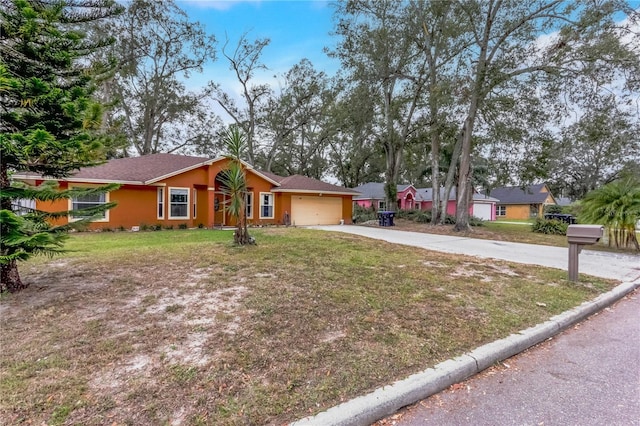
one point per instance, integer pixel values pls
(181, 327)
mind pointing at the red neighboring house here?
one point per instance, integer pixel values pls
(168, 189)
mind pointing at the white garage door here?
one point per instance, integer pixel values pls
(316, 210)
(482, 210)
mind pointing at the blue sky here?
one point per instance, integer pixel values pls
(297, 28)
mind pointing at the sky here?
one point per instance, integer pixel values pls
(297, 28)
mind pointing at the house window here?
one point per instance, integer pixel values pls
(501, 210)
(160, 203)
(86, 202)
(249, 204)
(195, 202)
(382, 205)
(533, 210)
(266, 205)
(178, 203)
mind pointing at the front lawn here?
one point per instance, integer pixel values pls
(175, 327)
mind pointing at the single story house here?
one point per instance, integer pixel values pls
(482, 206)
(522, 203)
(409, 197)
(168, 189)
(372, 194)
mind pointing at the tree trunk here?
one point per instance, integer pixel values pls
(464, 178)
(451, 173)
(10, 277)
(435, 176)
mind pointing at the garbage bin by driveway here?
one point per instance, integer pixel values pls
(385, 218)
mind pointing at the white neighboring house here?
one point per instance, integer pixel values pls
(484, 207)
(23, 206)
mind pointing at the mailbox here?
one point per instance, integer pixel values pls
(578, 236)
(584, 234)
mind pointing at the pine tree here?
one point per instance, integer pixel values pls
(47, 117)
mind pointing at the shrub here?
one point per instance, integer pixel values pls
(553, 208)
(200, 225)
(362, 214)
(168, 227)
(424, 216)
(550, 227)
(145, 227)
(476, 221)
(182, 226)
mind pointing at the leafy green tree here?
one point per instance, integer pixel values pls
(354, 149)
(509, 55)
(296, 122)
(377, 49)
(617, 207)
(47, 118)
(158, 47)
(594, 150)
(234, 183)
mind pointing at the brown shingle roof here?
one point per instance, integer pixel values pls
(532, 194)
(270, 175)
(141, 169)
(303, 183)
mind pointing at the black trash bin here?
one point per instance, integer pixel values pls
(566, 218)
(385, 218)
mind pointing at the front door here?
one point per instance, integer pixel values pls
(218, 209)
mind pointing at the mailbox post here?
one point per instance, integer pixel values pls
(578, 236)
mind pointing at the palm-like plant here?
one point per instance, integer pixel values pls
(235, 183)
(617, 207)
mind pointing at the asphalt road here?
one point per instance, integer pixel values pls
(601, 264)
(588, 375)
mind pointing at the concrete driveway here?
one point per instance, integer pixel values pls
(621, 267)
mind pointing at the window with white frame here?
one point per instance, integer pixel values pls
(266, 205)
(382, 205)
(178, 203)
(160, 211)
(86, 202)
(249, 204)
(501, 210)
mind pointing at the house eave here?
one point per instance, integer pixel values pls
(310, 191)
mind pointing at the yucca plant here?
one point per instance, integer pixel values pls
(234, 182)
(617, 207)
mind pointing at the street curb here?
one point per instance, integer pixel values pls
(384, 401)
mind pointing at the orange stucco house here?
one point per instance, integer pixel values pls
(168, 189)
